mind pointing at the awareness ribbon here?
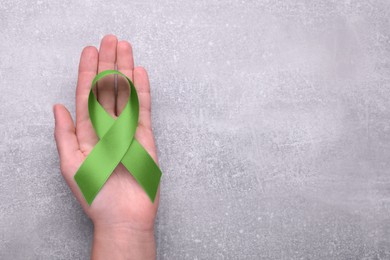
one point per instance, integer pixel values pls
(116, 145)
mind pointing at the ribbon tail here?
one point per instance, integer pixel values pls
(142, 166)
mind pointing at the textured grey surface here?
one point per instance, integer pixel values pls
(272, 120)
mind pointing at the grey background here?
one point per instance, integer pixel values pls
(272, 120)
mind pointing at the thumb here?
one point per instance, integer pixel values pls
(65, 134)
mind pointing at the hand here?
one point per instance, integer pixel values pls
(122, 213)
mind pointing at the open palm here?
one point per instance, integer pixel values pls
(121, 202)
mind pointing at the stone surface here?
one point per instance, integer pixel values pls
(272, 120)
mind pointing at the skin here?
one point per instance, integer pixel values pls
(122, 214)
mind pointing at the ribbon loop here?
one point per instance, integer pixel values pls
(116, 145)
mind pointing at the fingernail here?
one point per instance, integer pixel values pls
(54, 111)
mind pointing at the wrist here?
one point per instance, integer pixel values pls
(121, 241)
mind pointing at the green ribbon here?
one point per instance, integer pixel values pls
(116, 145)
